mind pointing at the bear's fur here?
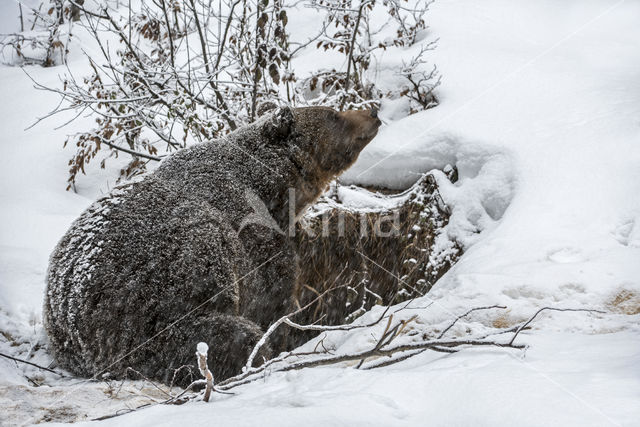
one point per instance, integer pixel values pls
(185, 255)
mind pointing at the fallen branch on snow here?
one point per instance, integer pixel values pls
(383, 348)
(15, 359)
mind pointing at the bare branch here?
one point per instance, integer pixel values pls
(466, 314)
(279, 322)
(15, 359)
(525, 324)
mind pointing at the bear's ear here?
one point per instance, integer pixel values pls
(266, 107)
(279, 125)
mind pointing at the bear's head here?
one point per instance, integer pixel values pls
(332, 140)
(339, 136)
(320, 142)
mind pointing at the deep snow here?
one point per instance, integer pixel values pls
(540, 111)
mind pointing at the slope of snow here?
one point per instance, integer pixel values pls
(540, 111)
(479, 388)
(559, 106)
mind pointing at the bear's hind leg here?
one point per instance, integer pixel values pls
(230, 339)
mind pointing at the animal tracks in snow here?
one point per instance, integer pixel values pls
(566, 255)
(627, 233)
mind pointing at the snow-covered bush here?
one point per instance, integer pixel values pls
(359, 30)
(171, 73)
(44, 36)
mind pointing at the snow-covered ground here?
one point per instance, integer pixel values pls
(540, 111)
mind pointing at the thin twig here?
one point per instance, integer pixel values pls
(33, 364)
(279, 322)
(525, 324)
(466, 314)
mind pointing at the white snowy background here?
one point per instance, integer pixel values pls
(540, 111)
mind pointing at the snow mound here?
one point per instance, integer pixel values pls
(486, 182)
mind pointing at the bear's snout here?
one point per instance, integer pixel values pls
(364, 124)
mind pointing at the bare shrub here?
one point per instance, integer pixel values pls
(171, 79)
(350, 30)
(45, 33)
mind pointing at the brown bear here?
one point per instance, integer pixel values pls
(197, 250)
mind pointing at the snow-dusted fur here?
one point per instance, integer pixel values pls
(124, 283)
